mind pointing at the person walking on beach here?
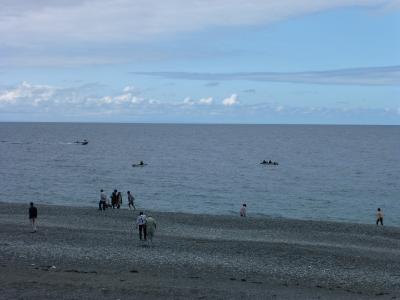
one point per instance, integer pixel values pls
(131, 200)
(150, 227)
(141, 224)
(103, 201)
(114, 199)
(379, 217)
(243, 210)
(119, 200)
(33, 216)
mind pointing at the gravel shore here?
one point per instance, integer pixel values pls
(81, 253)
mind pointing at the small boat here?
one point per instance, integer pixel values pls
(273, 163)
(140, 164)
(84, 142)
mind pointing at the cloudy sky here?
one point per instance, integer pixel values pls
(200, 61)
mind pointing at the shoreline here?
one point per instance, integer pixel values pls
(99, 256)
(255, 216)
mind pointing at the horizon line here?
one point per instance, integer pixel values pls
(199, 123)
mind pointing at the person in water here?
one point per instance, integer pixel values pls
(141, 163)
(131, 200)
(141, 225)
(264, 162)
(32, 216)
(243, 210)
(379, 217)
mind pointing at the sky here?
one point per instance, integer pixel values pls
(193, 61)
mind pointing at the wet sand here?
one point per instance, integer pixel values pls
(81, 253)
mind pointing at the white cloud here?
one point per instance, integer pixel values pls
(188, 101)
(91, 32)
(123, 98)
(36, 94)
(33, 97)
(105, 100)
(202, 101)
(36, 22)
(206, 101)
(120, 100)
(47, 102)
(230, 101)
(128, 88)
(9, 96)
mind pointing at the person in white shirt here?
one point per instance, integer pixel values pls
(379, 217)
(243, 210)
(141, 224)
(103, 201)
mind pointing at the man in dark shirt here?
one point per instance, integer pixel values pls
(114, 199)
(33, 216)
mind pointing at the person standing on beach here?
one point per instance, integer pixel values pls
(131, 200)
(103, 201)
(114, 199)
(379, 217)
(150, 227)
(119, 200)
(243, 210)
(141, 224)
(33, 216)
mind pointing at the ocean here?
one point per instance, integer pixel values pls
(339, 173)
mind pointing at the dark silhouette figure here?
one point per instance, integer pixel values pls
(114, 199)
(379, 217)
(32, 216)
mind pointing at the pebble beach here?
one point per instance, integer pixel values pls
(82, 253)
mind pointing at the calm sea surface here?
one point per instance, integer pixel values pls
(325, 172)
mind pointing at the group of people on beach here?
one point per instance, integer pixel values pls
(116, 200)
(147, 224)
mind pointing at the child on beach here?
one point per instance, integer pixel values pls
(33, 216)
(131, 198)
(379, 217)
(243, 210)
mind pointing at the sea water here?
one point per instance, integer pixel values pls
(341, 173)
